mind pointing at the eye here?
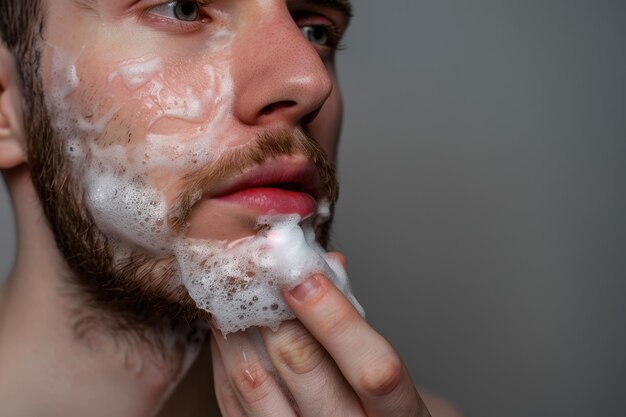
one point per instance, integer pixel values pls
(319, 34)
(186, 11)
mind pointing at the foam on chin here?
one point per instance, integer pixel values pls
(240, 283)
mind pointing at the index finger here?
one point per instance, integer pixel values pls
(366, 359)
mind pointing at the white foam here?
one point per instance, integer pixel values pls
(138, 73)
(130, 211)
(240, 283)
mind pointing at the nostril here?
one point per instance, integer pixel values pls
(270, 108)
(308, 118)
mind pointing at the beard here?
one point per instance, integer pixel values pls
(137, 290)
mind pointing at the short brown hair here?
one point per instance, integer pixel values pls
(21, 24)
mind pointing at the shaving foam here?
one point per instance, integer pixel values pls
(138, 73)
(240, 282)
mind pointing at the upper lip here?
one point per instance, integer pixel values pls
(285, 171)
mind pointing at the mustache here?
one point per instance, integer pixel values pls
(266, 146)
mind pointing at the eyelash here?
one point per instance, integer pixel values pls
(339, 43)
(179, 26)
(334, 32)
(335, 40)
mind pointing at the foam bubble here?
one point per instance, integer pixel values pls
(240, 283)
(131, 212)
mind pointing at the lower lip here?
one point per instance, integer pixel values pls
(269, 200)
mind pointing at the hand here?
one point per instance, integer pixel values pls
(331, 361)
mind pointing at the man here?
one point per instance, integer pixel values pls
(141, 141)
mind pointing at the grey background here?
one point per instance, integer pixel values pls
(483, 165)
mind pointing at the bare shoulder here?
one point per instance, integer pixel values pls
(438, 406)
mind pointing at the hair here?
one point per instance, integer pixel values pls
(21, 24)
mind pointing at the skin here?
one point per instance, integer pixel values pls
(331, 360)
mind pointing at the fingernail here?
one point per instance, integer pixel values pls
(306, 290)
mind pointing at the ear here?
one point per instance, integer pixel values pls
(12, 135)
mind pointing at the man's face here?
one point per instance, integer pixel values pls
(189, 121)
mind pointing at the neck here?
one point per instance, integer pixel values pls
(59, 357)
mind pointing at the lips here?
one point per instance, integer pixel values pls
(283, 185)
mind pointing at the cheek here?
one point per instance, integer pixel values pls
(135, 101)
(113, 83)
(165, 112)
(133, 129)
(327, 125)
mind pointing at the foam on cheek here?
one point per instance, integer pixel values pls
(130, 211)
(122, 204)
(138, 73)
(207, 108)
(64, 78)
(240, 283)
(116, 177)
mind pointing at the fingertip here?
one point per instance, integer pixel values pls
(340, 257)
(308, 289)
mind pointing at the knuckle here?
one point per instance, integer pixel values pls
(253, 382)
(383, 377)
(338, 322)
(302, 354)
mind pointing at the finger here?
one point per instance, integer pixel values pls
(309, 372)
(365, 358)
(340, 257)
(258, 392)
(226, 396)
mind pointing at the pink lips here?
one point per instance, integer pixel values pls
(271, 200)
(282, 185)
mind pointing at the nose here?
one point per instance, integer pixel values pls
(278, 75)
